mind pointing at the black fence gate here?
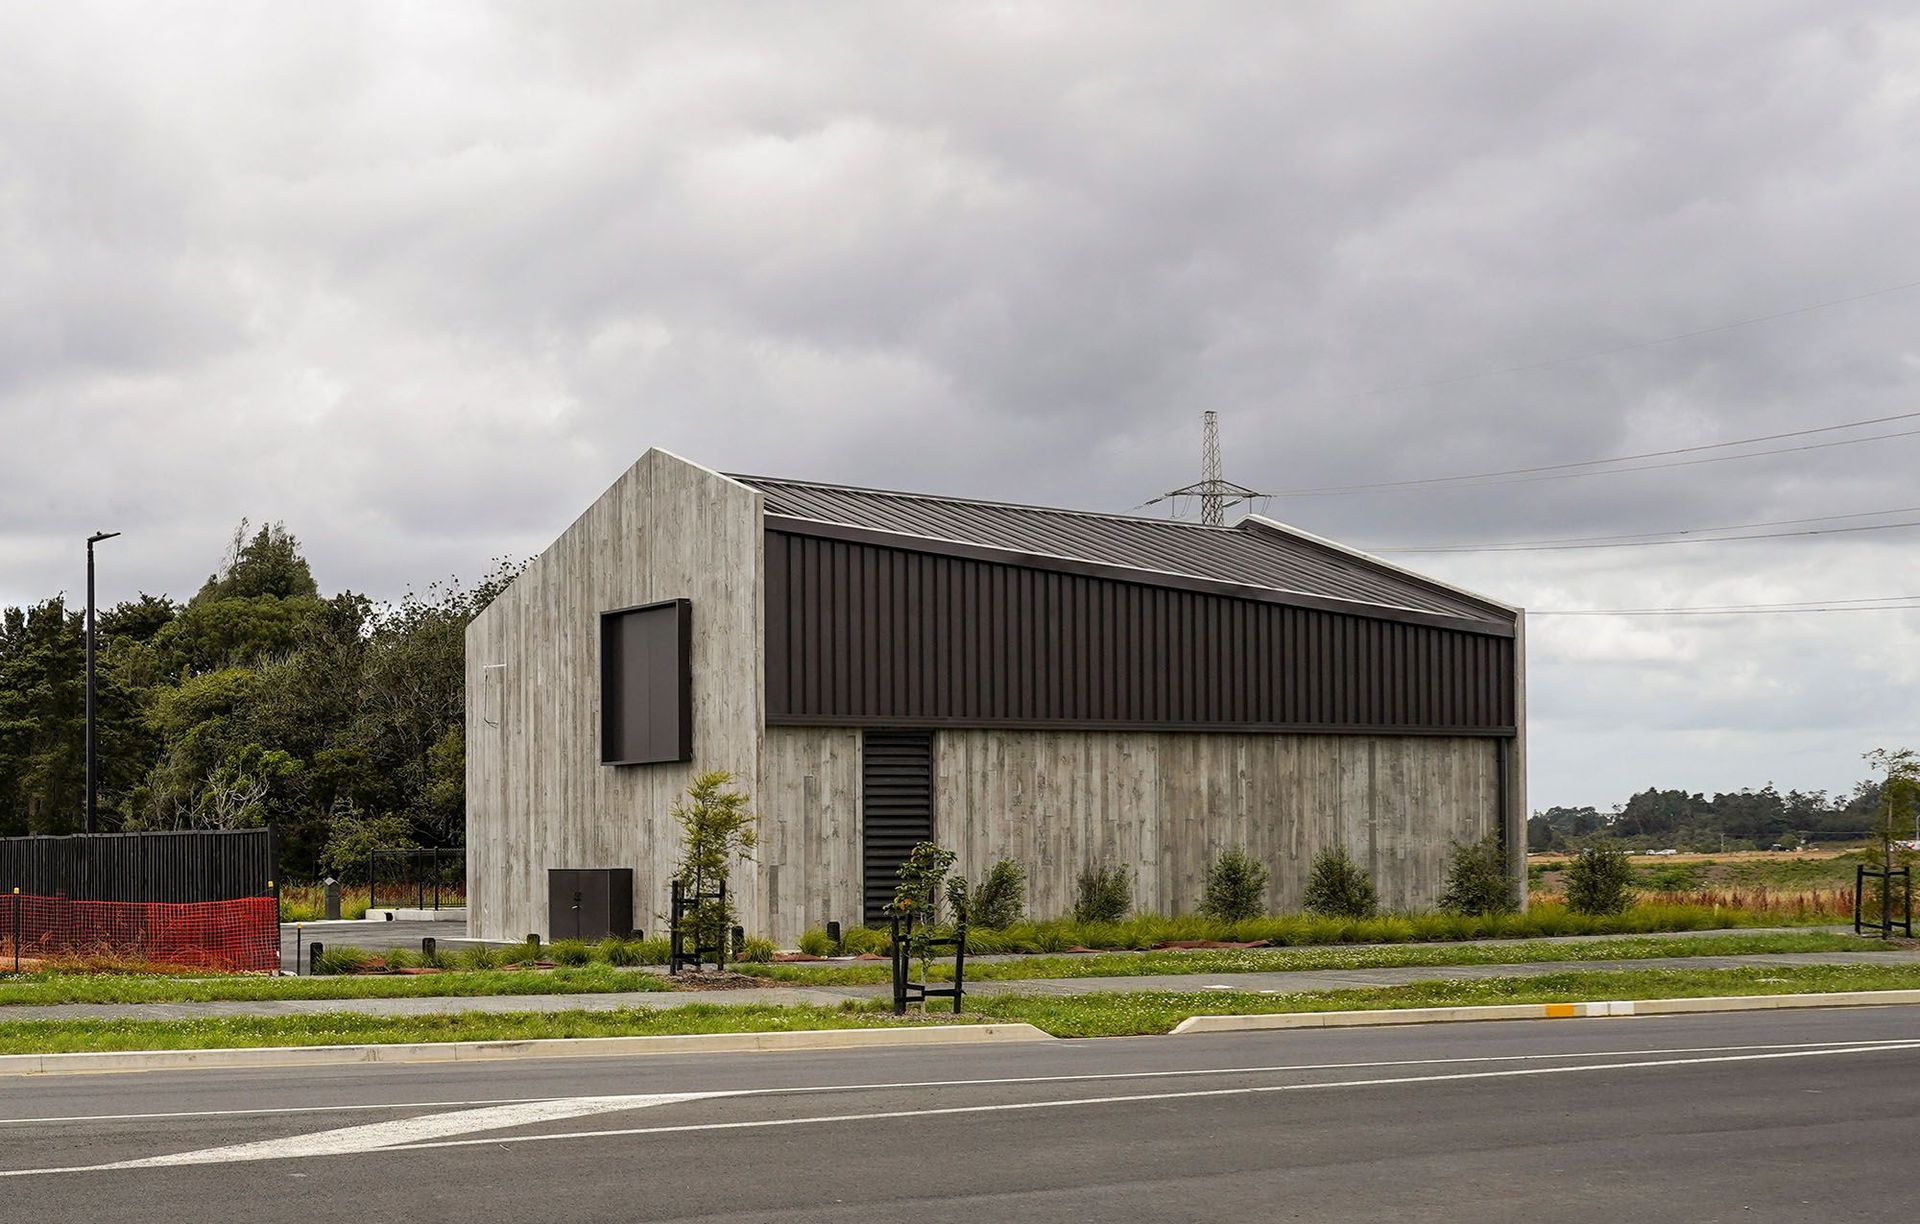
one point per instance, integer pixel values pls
(425, 878)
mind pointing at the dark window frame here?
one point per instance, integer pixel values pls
(610, 686)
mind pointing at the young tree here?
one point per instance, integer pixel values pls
(1896, 829)
(717, 828)
(923, 880)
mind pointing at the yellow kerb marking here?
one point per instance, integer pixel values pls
(1559, 1011)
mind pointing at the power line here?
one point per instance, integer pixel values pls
(1562, 471)
(1639, 537)
(1640, 344)
(1839, 605)
(1759, 535)
(1748, 607)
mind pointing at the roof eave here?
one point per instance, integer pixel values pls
(1260, 522)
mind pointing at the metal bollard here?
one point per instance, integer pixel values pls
(739, 942)
(429, 948)
(833, 935)
(332, 898)
(314, 951)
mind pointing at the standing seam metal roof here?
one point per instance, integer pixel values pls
(1241, 554)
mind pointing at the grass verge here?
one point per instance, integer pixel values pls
(1136, 1014)
(1549, 916)
(1102, 1015)
(1281, 960)
(54, 988)
(50, 988)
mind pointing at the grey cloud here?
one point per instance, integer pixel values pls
(422, 281)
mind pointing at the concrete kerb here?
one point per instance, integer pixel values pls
(842, 1039)
(494, 1051)
(1543, 1011)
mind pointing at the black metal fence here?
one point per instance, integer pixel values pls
(189, 865)
(424, 879)
(1892, 910)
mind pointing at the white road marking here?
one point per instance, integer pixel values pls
(1461, 1060)
(423, 1133)
(275, 1109)
(378, 1136)
(1131, 1098)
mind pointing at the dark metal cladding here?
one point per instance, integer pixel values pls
(191, 865)
(862, 634)
(1249, 554)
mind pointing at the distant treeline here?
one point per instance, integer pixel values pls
(1738, 820)
(337, 719)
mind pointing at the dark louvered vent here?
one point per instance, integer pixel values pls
(896, 808)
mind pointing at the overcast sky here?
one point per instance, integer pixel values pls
(421, 280)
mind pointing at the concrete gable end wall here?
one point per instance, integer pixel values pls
(537, 795)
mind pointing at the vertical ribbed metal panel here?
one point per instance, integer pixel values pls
(896, 808)
(869, 635)
(172, 866)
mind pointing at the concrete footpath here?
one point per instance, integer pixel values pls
(1291, 982)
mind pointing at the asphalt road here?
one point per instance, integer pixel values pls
(1791, 1116)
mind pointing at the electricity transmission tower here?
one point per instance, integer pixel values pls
(1215, 493)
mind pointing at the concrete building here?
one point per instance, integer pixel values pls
(1058, 687)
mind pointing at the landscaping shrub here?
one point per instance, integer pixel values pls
(569, 952)
(815, 943)
(1599, 881)
(857, 941)
(1001, 899)
(482, 957)
(1477, 879)
(756, 952)
(621, 953)
(1236, 887)
(1103, 893)
(345, 960)
(1337, 887)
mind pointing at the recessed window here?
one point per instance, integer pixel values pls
(646, 684)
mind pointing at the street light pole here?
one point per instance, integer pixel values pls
(92, 762)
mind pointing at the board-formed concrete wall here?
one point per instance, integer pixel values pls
(809, 806)
(1163, 803)
(1167, 804)
(537, 795)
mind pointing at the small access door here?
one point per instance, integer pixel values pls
(896, 809)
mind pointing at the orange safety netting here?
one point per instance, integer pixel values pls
(240, 934)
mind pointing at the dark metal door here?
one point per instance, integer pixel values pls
(565, 896)
(896, 809)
